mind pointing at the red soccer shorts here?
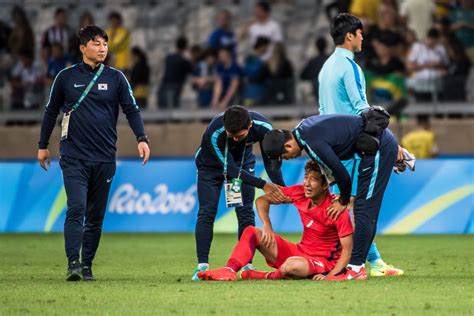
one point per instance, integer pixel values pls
(287, 249)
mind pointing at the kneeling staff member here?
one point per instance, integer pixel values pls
(226, 157)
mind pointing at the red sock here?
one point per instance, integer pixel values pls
(275, 275)
(245, 249)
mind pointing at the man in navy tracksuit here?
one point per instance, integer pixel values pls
(89, 94)
(237, 130)
(330, 139)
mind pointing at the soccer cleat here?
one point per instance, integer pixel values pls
(87, 274)
(197, 270)
(380, 268)
(74, 271)
(348, 275)
(253, 275)
(221, 274)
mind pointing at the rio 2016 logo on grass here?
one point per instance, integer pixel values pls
(128, 200)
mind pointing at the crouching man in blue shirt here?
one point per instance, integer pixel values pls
(89, 95)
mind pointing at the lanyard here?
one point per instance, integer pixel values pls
(89, 87)
(226, 150)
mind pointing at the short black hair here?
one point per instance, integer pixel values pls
(181, 43)
(264, 5)
(313, 166)
(433, 33)
(90, 33)
(261, 41)
(236, 119)
(115, 15)
(226, 48)
(321, 44)
(342, 24)
(59, 11)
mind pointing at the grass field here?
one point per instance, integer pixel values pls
(149, 274)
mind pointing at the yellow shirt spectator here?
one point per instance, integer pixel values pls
(119, 46)
(365, 9)
(421, 143)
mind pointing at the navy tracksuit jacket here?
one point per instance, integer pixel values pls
(88, 153)
(210, 165)
(329, 139)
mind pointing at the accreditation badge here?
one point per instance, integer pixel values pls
(233, 193)
(65, 125)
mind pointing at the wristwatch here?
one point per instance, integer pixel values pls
(143, 138)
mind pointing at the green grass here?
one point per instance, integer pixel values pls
(150, 274)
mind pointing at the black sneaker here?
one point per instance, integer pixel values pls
(87, 274)
(74, 271)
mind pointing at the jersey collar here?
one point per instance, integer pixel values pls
(344, 52)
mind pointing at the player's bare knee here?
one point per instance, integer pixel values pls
(294, 267)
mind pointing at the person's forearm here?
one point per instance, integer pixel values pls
(230, 93)
(342, 262)
(263, 210)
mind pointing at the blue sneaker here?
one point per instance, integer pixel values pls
(197, 270)
(248, 266)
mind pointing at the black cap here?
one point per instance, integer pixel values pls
(273, 146)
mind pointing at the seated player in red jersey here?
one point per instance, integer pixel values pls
(325, 247)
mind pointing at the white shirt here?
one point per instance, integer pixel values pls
(419, 14)
(421, 54)
(270, 29)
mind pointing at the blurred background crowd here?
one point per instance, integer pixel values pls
(211, 54)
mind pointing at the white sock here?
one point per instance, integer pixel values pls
(356, 268)
(200, 265)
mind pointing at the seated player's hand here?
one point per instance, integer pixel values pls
(319, 277)
(268, 236)
(335, 209)
(274, 192)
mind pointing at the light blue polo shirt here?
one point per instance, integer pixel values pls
(341, 85)
(342, 91)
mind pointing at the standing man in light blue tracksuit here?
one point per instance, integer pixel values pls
(342, 91)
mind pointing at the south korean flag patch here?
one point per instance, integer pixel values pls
(102, 86)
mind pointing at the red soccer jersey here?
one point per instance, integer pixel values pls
(321, 234)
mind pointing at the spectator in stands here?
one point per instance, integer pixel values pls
(421, 142)
(417, 15)
(313, 66)
(223, 34)
(57, 62)
(365, 10)
(195, 54)
(462, 19)
(21, 38)
(227, 84)
(59, 33)
(27, 83)
(454, 84)
(280, 82)
(263, 26)
(427, 62)
(388, 25)
(255, 74)
(177, 68)
(386, 72)
(204, 77)
(85, 19)
(119, 42)
(5, 61)
(140, 76)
